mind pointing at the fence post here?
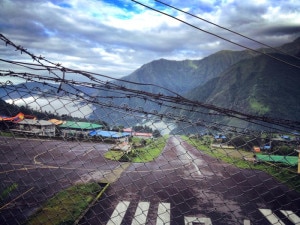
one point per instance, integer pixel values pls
(298, 150)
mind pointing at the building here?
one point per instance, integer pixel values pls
(142, 135)
(35, 127)
(77, 129)
(110, 135)
(138, 134)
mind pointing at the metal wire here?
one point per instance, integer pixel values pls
(180, 163)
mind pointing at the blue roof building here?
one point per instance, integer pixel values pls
(109, 134)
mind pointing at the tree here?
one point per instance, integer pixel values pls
(156, 134)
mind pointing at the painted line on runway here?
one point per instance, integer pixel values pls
(118, 214)
(141, 213)
(247, 222)
(191, 220)
(271, 217)
(291, 216)
(160, 169)
(186, 154)
(21, 169)
(87, 152)
(163, 214)
(40, 163)
(42, 166)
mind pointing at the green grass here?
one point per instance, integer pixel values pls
(66, 206)
(4, 194)
(235, 157)
(6, 134)
(113, 155)
(147, 153)
(258, 107)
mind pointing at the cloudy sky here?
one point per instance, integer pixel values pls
(116, 37)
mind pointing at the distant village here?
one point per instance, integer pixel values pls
(30, 125)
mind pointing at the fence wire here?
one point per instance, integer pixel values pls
(84, 148)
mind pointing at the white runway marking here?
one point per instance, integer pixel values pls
(291, 216)
(188, 220)
(140, 216)
(118, 214)
(163, 214)
(271, 217)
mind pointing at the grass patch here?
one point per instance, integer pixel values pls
(5, 193)
(286, 175)
(113, 155)
(147, 153)
(66, 206)
(258, 107)
(6, 134)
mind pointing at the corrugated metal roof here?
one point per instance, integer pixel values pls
(35, 122)
(289, 160)
(109, 134)
(80, 125)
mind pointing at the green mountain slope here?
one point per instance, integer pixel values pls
(164, 75)
(181, 76)
(260, 86)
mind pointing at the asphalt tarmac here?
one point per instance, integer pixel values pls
(185, 186)
(182, 186)
(41, 168)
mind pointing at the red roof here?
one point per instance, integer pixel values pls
(142, 134)
(128, 129)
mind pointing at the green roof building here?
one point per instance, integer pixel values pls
(83, 126)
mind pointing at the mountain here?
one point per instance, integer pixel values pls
(52, 98)
(164, 77)
(241, 80)
(292, 48)
(259, 86)
(181, 76)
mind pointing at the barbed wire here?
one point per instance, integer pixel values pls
(176, 103)
(51, 82)
(115, 88)
(109, 86)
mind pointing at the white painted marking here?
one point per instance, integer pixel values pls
(140, 216)
(189, 220)
(271, 217)
(187, 155)
(118, 214)
(247, 222)
(163, 214)
(291, 216)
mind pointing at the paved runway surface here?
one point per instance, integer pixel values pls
(182, 186)
(185, 186)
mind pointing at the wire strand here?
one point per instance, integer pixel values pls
(227, 29)
(218, 36)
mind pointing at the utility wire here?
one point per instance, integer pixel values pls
(227, 29)
(175, 99)
(218, 36)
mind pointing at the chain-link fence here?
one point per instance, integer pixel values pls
(82, 148)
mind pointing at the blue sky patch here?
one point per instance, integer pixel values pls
(125, 5)
(65, 5)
